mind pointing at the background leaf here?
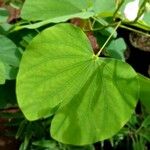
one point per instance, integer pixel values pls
(3, 15)
(9, 53)
(116, 49)
(104, 8)
(63, 10)
(54, 11)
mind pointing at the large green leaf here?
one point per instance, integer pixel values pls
(2, 73)
(144, 91)
(91, 97)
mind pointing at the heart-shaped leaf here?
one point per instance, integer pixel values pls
(91, 98)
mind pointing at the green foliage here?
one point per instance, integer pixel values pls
(104, 8)
(53, 12)
(77, 80)
(10, 57)
(76, 89)
(9, 53)
(3, 15)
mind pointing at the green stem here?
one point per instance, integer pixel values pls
(141, 11)
(134, 30)
(118, 8)
(119, 23)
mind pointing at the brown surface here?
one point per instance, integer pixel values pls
(85, 25)
(7, 142)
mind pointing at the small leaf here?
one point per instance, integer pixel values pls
(85, 93)
(117, 48)
(144, 91)
(2, 73)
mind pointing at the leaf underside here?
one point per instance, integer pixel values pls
(63, 10)
(91, 98)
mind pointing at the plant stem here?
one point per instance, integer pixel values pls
(120, 3)
(141, 11)
(134, 30)
(119, 23)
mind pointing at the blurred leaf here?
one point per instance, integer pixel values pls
(16, 3)
(4, 28)
(11, 72)
(21, 129)
(3, 15)
(138, 145)
(146, 18)
(108, 31)
(9, 53)
(145, 134)
(54, 11)
(88, 147)
(51, 9)
(2, 73)
(104, 7)
(146, 122)
(116, 49)
(62, 10)
(51, 144)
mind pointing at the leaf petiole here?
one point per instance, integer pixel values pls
(99, 52)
